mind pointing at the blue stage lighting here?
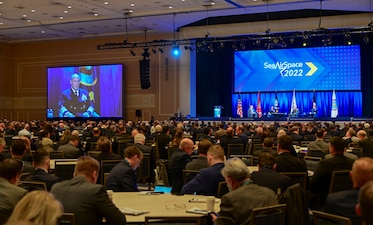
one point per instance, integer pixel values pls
(175, 50)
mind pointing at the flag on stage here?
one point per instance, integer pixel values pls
(275, 106)
(259, 107)
(334, 112)
(314, 104)
(293, 102)
(239, 107)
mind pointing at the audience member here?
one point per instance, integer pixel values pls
(243, 192)
(178, 136)
(25, 131)
(139, 141)
(46, 142)
(320, 181)
(267, 176)
(96, 135)
(207, 180)
(177, 164)
(201, 161)
(39, 207)
(17, 152)
(242, 136)
(88, 201)
(367, 145)
(268, 144)
(228, 139)
(163, 140)
(343, 203)
(365, 205)
(122, 178)
(207, 132)
(2, 146)
(10, 193)
(285, 161)
(70, 150)
(42, 164)
(105, 148)
(319, 144)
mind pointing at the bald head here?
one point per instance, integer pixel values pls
(362, 171)
(230, 131)
(281, 132)
(186, 145)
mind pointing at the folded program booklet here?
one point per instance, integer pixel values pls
(133, 212)
(197, 210)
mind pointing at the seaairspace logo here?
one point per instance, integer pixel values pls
(291, 69)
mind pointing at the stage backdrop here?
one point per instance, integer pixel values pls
(215, 86)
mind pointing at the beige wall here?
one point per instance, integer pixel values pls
(23, 85)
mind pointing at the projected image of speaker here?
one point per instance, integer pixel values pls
(144, 73)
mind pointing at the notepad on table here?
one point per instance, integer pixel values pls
(133, 212)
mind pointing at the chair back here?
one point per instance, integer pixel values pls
(170, 151)
(235, 149)
(322, 218)
(340, 181)
(257, 147)
(188, 175)
(56, 155)
(93, 146)
(23, 176)
(270, 215)
(105, 178)
(312, 162)
(222, 189)
(297, 177)
(122, 144)
(305, 143)
(163, 174)
(316, 153)
(33, 186)
(93, 153)
(106, 166)
(247, 159)
(64, 169)
(67, 219)
(297, 207)
(174, 220)
(356, 151)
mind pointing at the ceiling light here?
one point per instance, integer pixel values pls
(61, 17)
(106, 3)
(160, 50)
(33, 10)
(65, 11)
(24, 15)
(43, 32)
(154, 51)
(69, 6)
(366, 38)
(95, 14)
(1, 23)
(1, 3)
(28, 21)
(175, 50)
(130, 11)
(132, 4)
(170, 7)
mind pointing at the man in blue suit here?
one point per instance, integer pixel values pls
(207, 180)
(343, 203)
(76, 101)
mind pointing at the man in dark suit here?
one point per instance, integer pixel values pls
(285, 161)
(242, 136)
(320, 181)
(177, 164)
(88, 201)
(122, 177)
(267, 176)
(10, 193)
(268, 143)
(41, 164)
(106, 153)
(228, 139)
(365, 205)
(96, 134)
(236, 205)
(207, 180)
(367, 145)
(201, 161)
(343, 203)
(76, 101)
(139, 140)
(70, 150)
(163, 140)
(17, 152)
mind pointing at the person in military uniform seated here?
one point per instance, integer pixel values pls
(76, 101)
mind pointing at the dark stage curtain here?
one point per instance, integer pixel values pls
(349, 103)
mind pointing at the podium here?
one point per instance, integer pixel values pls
(217, 111)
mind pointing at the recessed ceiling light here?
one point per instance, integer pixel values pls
(132, 4)
(42, 31)
(131, 11)
(61, 17)
(1, 23)
(170, 7)
(1, 2)
(65, 11)
(212, 3)
(33, 10)
(28, 21)
(106, 3)
(24, 15)
(95, 14)
(69, 6)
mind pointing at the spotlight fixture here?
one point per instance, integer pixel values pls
(146, 53)
(347, 39)
(242, 45)
(234, 46)
(175, 50)
(366, 38)
(160, 50)
(186, 47)
(132, 52)
(154, 51)
(211, 48)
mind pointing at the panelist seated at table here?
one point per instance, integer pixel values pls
(271, 111)
(88, 201)
(123, 176)
(237, 205)
(294, 112)
(251, 113)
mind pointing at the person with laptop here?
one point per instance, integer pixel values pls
(88, 201)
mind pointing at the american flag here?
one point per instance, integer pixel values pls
(239, 107)
(259, 107)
